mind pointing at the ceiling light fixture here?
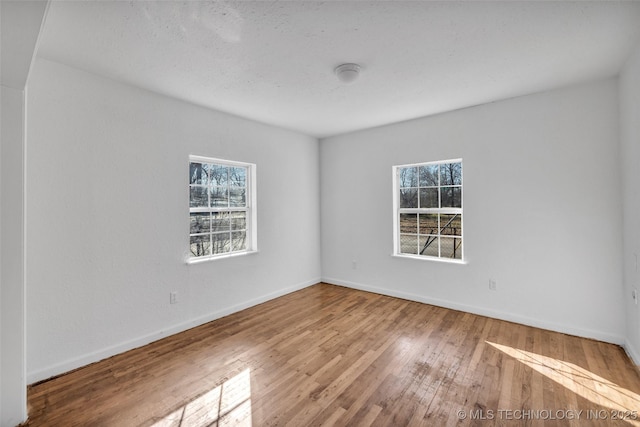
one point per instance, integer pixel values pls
(347, 73)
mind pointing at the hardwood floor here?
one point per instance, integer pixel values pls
(328, 355)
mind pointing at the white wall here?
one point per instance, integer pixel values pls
(19, 30)
(107, 215)
(630, 158)
(12, 307)
(542, 210)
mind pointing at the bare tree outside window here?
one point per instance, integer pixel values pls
(219, 208)
(429, 209)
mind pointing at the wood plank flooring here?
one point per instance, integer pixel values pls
(328, 355)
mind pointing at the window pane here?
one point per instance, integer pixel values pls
(198, 197)
(219, 197)
(451, 174)
(197, 174)
(200, 223)
(237, 197)
(220, 221)
(429, 245)
(435, 203)
(409, 198)
(428, 223)
(221, 243)
(429, 176)
(428, 197)
(238, 220)
(238, 241)
(409, 223)
(451, 225)
(200, 245)
(408, 244)
(218, 175)
(408, 177)
(238, 177)
(451, 247)
(451, 197)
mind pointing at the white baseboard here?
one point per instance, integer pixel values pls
(631, 352)
(106, 352)
(78, 362)
(501, 315)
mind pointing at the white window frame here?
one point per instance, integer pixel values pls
(397, 211)
(251, 236)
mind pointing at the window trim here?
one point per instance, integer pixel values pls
(250, 209)
(447, 210)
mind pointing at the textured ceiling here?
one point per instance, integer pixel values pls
(273, 61)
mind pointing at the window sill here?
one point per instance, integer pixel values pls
(430, 258)
(200, 260)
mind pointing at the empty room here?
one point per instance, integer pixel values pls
(305, 213)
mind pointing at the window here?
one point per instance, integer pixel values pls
(221, 208)
(428, 210)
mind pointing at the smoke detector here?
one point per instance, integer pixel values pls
(347, 73)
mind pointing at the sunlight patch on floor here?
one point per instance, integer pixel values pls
(584, 383)
(229, 404)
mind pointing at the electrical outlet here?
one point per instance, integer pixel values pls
(354, 264)
(493, 285)
(173, 297)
